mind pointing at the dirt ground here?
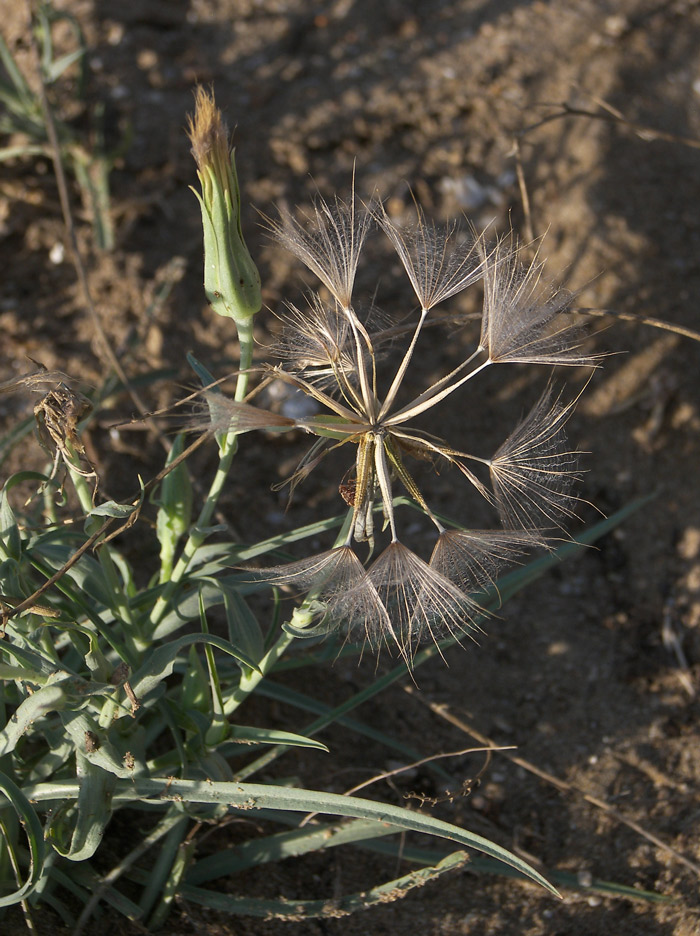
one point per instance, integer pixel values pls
(594, 672)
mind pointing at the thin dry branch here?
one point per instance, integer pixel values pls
(387, 774)
(562, 785)
(642, 320)
(610, 114)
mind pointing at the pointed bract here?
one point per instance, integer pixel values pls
(222, 414)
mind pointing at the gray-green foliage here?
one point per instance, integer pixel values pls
(102, 711)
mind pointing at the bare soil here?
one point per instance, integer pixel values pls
(580, 671)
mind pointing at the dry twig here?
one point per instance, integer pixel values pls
(562, 785)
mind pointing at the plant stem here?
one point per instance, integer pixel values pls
(228, 446)
(250, 680)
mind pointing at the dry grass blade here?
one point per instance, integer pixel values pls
(611, 114)
(642, 320)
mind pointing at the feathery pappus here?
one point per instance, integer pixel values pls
(335, 355)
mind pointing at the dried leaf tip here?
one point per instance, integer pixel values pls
(208, 133)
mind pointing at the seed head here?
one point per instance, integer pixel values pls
(439, 262)
(330, 352)
(533, 472)
(328, 242)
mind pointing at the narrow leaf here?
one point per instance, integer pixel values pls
(35, 838)
(253, 796)
(297, 910)
(160, 663)
(112, 509)
(289, 844)
(247, 735)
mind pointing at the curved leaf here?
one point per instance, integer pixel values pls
(50, 698)
(254, 796)
(35, 838)
(87, 819)
(112, 509)
(251, 735)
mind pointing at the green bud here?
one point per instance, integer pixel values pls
(231, 279)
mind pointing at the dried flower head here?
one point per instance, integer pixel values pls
(330, 352)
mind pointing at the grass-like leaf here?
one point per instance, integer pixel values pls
(481, 865)
(297, 910)
(244, 734)
(253, 796)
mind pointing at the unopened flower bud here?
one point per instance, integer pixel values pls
(231, 279)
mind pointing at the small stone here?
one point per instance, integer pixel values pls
(57, 254)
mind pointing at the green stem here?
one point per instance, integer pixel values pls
(251, 680)
(228, 446)
(132, 637)
(82, 489)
